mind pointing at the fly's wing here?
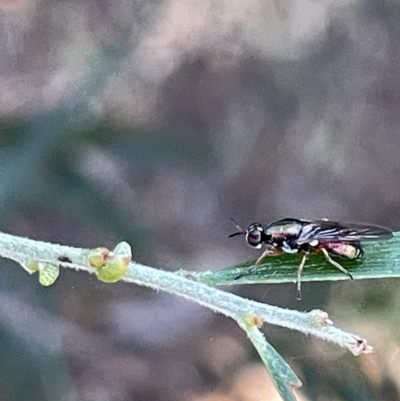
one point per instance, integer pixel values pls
(326, 230)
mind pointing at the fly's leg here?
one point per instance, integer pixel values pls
(299, 271)
(269, 251)
(334, 263)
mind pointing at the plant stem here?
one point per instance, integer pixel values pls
(26, 251)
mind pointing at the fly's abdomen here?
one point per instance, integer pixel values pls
(350, 251)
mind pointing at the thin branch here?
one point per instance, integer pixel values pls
(111, 266)
(26, 251)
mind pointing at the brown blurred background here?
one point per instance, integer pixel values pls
(155, 122)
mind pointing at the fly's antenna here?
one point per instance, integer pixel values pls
(240, 232)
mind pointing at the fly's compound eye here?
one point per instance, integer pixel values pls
(254, 235)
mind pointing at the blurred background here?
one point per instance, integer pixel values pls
(155, 122)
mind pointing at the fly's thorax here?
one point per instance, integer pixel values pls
(289, 247)
(283, 243)
(283, 234)
(285, 228)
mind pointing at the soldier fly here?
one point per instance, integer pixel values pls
(304, 237)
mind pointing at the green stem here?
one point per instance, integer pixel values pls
(281, 373)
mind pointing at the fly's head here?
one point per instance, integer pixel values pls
(255, 234)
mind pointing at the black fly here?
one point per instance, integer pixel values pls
(304, 237)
